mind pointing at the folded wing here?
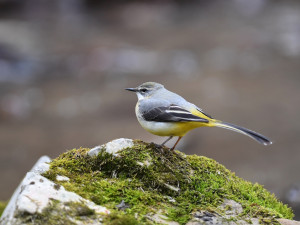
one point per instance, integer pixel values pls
(172, 113)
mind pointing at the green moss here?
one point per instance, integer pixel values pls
(147, 176)
(120, 219)
(2, 206)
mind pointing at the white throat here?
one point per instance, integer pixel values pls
(140, 97)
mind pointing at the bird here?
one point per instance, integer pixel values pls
(165, 113)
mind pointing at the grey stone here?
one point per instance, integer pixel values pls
(35, 193)
(206, 218)
(232, 208)
(39, 167)
(161, 219)
(112, 147)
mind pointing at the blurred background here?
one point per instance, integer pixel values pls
(64, 66)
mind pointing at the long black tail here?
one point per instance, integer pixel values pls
(256, 136)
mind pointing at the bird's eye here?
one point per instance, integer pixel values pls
(143, 90)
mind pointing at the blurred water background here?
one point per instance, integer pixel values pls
(64, 66)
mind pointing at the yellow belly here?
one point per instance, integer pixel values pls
(170, 128)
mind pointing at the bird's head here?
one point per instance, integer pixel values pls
(146, 89)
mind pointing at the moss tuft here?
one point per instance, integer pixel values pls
(120, 219)
(149, 178)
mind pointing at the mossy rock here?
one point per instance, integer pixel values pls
(151, 179)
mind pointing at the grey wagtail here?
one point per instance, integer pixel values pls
(164, 113)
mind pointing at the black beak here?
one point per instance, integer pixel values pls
(131, 89)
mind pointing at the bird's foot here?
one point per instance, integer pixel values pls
(158, 147)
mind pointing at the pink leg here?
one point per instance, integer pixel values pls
(176, 143)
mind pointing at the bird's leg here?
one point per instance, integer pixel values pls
(176, 143)
(169, 138)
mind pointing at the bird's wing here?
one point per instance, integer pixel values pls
(171, 113)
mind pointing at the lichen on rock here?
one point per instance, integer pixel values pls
(150, 179)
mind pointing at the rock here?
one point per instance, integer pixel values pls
(204, 217)
(161, 219)
(230, 212)
(147, 182)
(112, 147)
(231, 208)
(208, 218)
(39, 167)
(36, 193)
(94, 151)
(42, 165)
